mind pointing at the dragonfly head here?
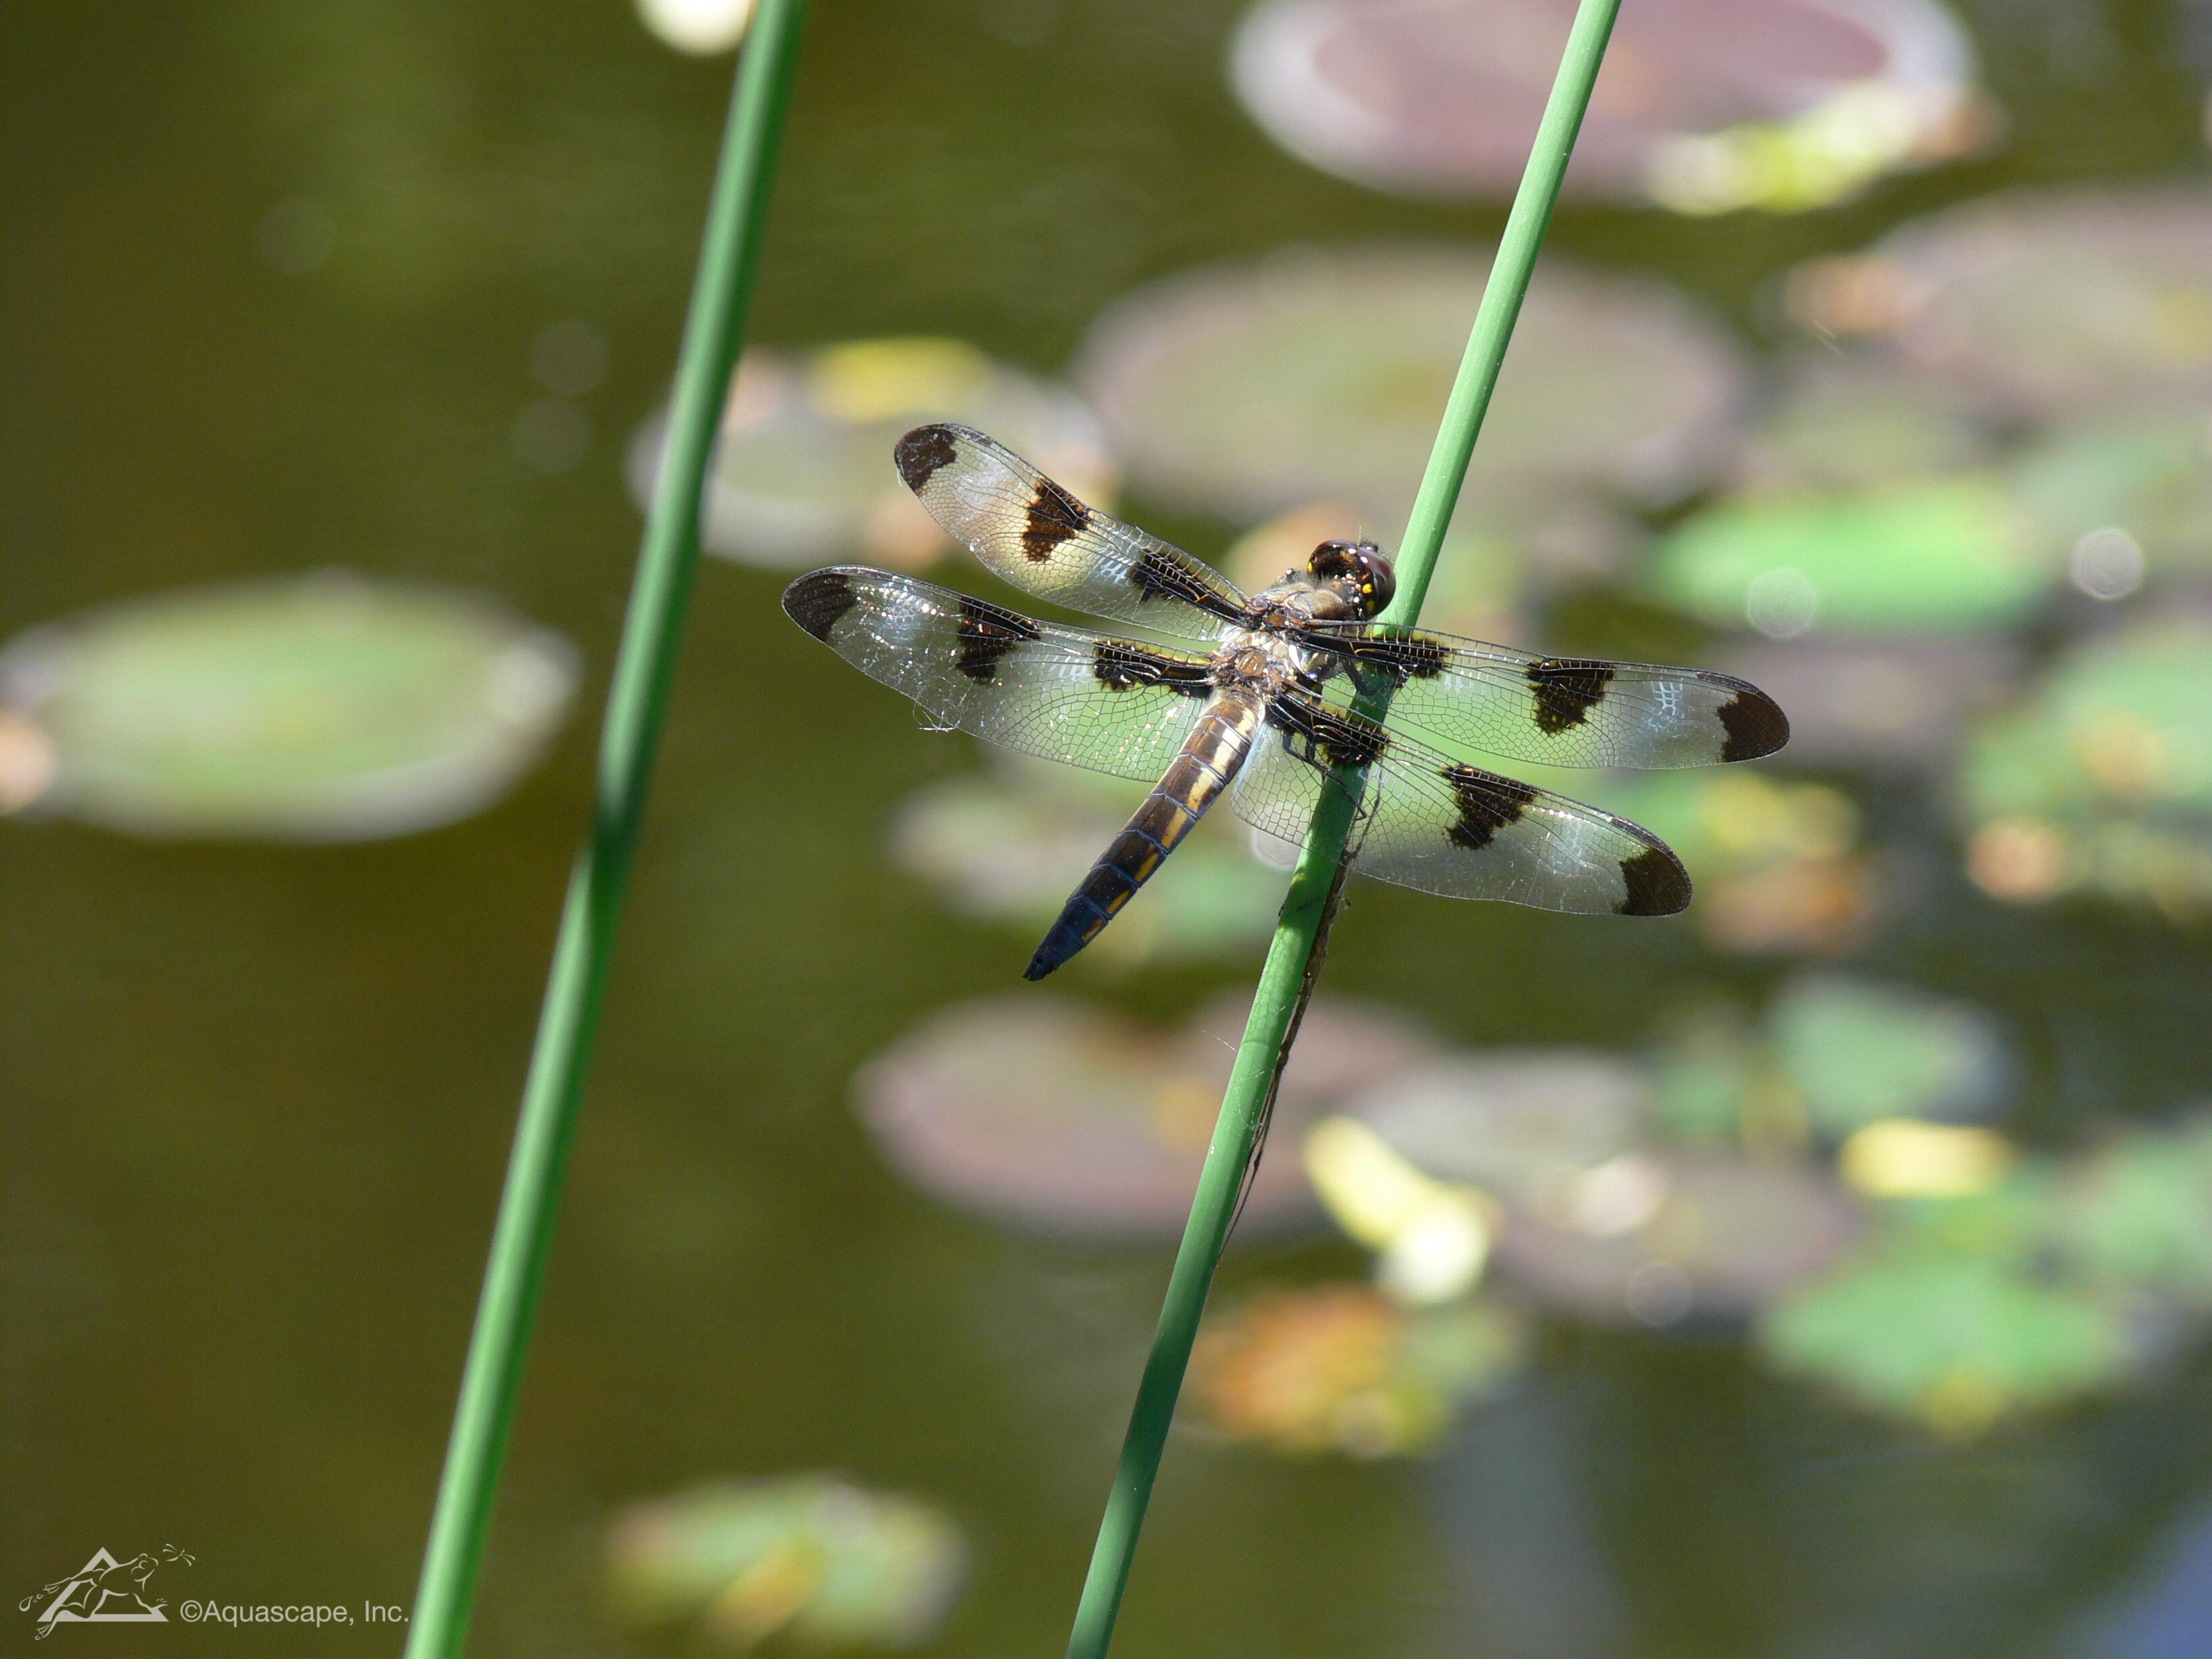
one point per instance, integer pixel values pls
(1358, 572)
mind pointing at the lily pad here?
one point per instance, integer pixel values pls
(1010, 844)
(2103, 782)
(1067, 1120)
(2140, 477)
(836, 1565)
(1953, 1339)
(1857, 1051)
(802, 472)
(2137, 1213)
(1662, 1240)
(1318, 376)
(1853, 422)
(1948, 555)
(2049, 300)
(1519, 1123)
(331, 707)
(1703, 106)
(1341, 1368)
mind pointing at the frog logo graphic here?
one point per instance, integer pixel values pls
(99, 1592)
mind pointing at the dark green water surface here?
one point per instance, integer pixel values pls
(257, 1099)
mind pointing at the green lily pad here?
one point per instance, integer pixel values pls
(2137, 1214)
(2122, 724)
(836, 1565)
(802, 472)
(1857, 1051)
(1318, 376)
(1950, 556)
(1954, 1339)
(2143, 475)
(2103, 782)
(331, 707)
(1067, 1120)
(1340, 1368)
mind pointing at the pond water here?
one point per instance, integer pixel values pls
(391, 289)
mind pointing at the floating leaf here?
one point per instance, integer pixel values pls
(1662, 1240)
(1859, 1051)
(836, 1565)
(2049, 301)
(1703, 106)
(1318, 376)
(2103, 782)
(1855, 423)
(2138, 1213)
(1953, 1339)
(2131, 492)
(1948, 555)
(1341, 1368)
(1068, 1119)
(330, 707)
(1516, 1122)
(802, 470)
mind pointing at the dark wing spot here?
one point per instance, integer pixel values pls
(922, 451)
(1326, 736)
(1121, 666)
(1656, 884)
(988, 634)
(1487, 803)
(1056, 516)
(817, 599)
(1754, 723)
(1567, 688)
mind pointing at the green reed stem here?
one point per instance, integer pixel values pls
(576, 987)
(1297, 928)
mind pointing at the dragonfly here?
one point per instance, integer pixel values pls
(1254, 701)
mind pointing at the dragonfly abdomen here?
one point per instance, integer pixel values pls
(1195, 780)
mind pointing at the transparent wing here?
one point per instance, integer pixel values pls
(1111, 705)
(1561, 711)
(1033, 533)
(1429, 822)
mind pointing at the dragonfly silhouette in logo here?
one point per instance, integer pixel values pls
(1260, 712)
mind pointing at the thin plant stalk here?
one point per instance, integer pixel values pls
(1297, 928)
(576, 986)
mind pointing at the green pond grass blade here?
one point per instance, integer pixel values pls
(576, 985)
(1299, 928)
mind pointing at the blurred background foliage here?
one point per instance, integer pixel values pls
(1827, 1270)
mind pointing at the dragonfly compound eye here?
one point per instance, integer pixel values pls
(1356, 567)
